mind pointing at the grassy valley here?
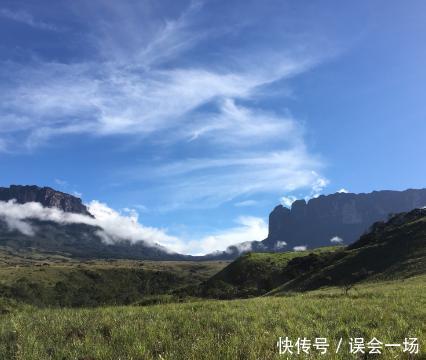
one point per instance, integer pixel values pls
(54, 307)
(45, 279)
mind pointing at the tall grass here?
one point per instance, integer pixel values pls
(238, 329)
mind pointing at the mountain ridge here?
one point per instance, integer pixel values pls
(46, 196)
(342, 216)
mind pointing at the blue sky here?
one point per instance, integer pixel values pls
(204, 115)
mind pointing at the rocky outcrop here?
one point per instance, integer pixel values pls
(46, 196)
(340, 216)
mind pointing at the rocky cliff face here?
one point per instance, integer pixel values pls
(340, 215)
(45, 196)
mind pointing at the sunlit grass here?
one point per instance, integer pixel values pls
(238, 329)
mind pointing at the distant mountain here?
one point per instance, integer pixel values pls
(395, 249)
(74, 240)
(46, 196)
(327, 220)
(80, 241)
(341, 217)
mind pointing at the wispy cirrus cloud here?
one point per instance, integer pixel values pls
(206, 182)
(127, 89)
(27, 19)
(54, 99)
(139, 84)
(245, 203)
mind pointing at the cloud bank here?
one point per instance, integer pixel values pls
(248, 228)
(114, 226)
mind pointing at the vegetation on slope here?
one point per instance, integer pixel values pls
(390, 250)
(254, 274)
(80, 241)
(51, 280)
(395, 249)
(238, 329)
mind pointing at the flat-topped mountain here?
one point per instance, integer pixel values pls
(391, 250)
(323, 221)
(77, 240)
(395, 249)
(343, 217)
(46, 196)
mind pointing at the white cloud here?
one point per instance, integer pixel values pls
(241, 247)
(318, 186)
(77, 194)
(280, 245)
(248, 228)
(128, 92)
(115, 226)
(287, 201)
(300, 248)
(27, 19)
(336, 240)
(141, 208)
(238, 125)
(343, 191)
(172, 38)
(245, 203)
(61, 182)
(210, 181)
(108, 99)
(118, 226)
(19, 225)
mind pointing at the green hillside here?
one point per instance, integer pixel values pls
(254, 274)
(390, 250)
(395, 249)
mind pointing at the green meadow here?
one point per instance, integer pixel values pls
(219, 329)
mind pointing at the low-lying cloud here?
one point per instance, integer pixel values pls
(336, 240)
(116, 226)
(287, 201)
(280, 245)
(247, 229)
(113, 225)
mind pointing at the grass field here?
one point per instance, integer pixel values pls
(212, 329)
(51, 280)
